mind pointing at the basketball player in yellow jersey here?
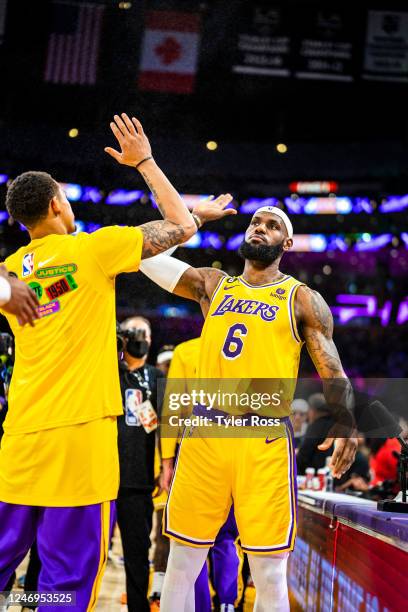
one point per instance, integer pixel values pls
(59, 466)
(255, 327)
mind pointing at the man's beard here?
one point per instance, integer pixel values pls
(263, 253)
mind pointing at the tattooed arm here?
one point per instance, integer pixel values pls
(315, 323)
(178, 225)
(199, 284)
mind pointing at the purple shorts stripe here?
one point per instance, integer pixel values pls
(177, 536)
(293, 485)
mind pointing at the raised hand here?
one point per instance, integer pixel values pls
(133, 142)
(23, 301)
(211, 210)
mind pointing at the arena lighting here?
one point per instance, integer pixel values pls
(376, 242)
(73, 191)
(79, 226)
(123, 197)
(336, 205)
(336, 243)
(314, 243)
(91, 194)
(92, 227)
(3, 216)
(394, 204)
(362, 205)
(234, 242)
(404, 238)
(314, 187)
(294, 206)
(211, 240)
(328, 206)
(212, 145)
(194, 242)
(251, 205)
(281, 148)
(351, 307)
(170, 311)
(3, 178)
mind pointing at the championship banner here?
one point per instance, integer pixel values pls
(264, 43)
(386, 51)
(325, 48)
(169, 52)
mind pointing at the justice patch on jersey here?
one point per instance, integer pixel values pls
(64, 285)
(62, 270)
(28, 264)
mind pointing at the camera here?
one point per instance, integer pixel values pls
(132, 340)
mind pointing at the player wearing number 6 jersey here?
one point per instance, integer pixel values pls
(255, 327)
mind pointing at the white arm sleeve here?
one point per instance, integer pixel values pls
(5, 291)
(163, 270)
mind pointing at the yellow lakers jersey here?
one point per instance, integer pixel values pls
(185, 359)
(183, 367)
(66, 367)
(250, 331)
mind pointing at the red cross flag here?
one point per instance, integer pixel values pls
(169, 52)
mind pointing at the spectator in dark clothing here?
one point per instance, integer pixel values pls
(320, 422)
(137, 440)
(309, 455)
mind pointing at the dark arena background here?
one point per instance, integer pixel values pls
(297, 104)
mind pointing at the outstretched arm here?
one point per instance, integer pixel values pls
(316, 326)
(178, 225)
(177, 277)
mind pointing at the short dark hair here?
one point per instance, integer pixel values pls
(29, 196)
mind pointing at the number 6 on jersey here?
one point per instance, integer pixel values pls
(234, 344)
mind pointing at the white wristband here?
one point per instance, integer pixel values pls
(163, 270)
(5, 291)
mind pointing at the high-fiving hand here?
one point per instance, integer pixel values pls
(211, 210)
(133, 142)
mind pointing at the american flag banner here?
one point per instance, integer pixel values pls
(73, 45)
(169, 52)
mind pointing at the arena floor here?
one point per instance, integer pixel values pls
(113, 584)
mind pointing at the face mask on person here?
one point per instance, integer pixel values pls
(136, 345)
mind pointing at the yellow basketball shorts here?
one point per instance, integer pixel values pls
(257, 475)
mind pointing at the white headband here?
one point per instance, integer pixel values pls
(282, 215)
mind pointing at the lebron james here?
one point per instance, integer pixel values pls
(255, 327)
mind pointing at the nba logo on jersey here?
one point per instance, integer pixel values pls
(28, 264)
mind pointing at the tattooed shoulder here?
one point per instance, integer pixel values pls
(158, 236)
(312, 310)
(205, 290)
